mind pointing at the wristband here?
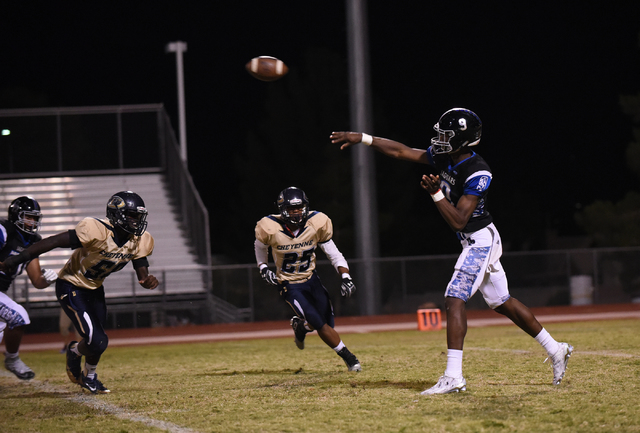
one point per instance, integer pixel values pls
(437, 196)
(367, 139)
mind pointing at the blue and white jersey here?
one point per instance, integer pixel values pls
(469, 177)
(13, 242)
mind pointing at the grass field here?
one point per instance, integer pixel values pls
(271, 386)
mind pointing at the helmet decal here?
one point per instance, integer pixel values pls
(116, 202)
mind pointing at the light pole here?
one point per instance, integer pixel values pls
(180, 47)
(6, 133)
(363, 168)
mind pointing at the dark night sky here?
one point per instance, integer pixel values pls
(544, 80)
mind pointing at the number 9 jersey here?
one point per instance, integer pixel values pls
(99, 254)
(294, 255)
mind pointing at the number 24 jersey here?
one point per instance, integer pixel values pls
(100, 255)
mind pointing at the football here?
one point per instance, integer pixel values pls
(266, 68)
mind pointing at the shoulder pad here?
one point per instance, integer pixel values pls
(270, 224)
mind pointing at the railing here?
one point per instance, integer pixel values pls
(538, 278)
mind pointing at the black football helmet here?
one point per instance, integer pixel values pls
(126, 210)
(25, 213)
(293, 197)
(457, 128)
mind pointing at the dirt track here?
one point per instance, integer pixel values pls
(344, 325)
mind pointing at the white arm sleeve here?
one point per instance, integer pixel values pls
(262, 253)
(334, 255)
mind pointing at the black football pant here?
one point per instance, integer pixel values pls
(87, 310)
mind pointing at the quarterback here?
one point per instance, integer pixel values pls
(459, 192)
(294, 235)
(101, 246)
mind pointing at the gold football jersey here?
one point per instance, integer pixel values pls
(294, 256)
(100, 256)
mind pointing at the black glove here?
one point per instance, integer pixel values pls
(268, 276)
(348, 288)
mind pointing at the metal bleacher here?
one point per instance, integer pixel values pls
(66, 200)
(85, 155)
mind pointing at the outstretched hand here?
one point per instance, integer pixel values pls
(431, 183)
(345, 138)
(149, 282)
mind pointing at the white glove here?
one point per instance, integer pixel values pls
(50, 275)
(348, 288)
(269, 276)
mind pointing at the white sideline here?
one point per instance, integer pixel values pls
(347, 329)
(96, 403)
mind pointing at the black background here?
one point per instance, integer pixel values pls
(545, 80)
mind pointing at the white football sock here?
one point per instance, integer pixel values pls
(454, 363)
(11, 355)
(90, 370)
(546, 340)
(339, 347)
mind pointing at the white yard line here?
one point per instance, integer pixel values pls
(94, 402)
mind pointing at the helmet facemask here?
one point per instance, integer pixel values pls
(290, 215)
(29, 221)
(441, 143)
(135, 222)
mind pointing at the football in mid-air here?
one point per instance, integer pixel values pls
(266, 68)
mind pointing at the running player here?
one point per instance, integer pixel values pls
(101, 246)
(293, 236)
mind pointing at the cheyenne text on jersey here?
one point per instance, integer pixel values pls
(116, 255)
(294, 246)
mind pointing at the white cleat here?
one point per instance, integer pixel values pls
(19, 368)
(355, 367)
(559, 362)
(447, 385)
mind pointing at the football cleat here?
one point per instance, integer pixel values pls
(74, 367)
(559, 362)
(93, 385)
(19, 368)
(299, 331)
(350, 359)
(447, 385)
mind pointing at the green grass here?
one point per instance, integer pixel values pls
(271, 386)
